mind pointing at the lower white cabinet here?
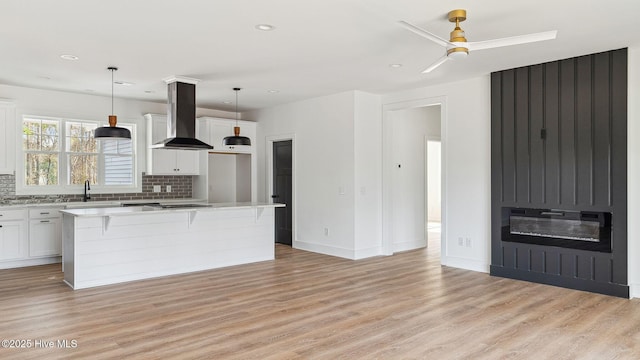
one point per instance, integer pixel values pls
(13, 240)
(13, 234)
(30, 236)
(45, 232)
(45, 237)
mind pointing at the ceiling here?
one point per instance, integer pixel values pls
(318, 47)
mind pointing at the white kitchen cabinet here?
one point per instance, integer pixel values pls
(13, 235)
(167, 162)
(229, 173)
(214, 130)
(8, 137)
(45, 232)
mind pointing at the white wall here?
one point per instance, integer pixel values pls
(466, 167)
(368, 175)
(633, 171)
(324, 163)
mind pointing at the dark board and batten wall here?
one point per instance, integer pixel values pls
(559, 141)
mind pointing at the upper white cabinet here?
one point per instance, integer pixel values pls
(213, 130)
(167, 162)
(7, 137)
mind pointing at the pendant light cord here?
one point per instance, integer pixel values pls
(112, 90)
(237, 90)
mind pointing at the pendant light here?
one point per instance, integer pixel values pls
(112, 131)
(236, 139)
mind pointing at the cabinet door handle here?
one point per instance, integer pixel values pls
(44, 221)
(44, 213)
(0, 225)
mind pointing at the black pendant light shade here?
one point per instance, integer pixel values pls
(236, 139)
(112, 131)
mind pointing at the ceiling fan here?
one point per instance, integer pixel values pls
(458, 47)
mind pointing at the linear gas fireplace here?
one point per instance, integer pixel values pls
(584, 230)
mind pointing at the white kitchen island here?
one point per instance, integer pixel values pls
(102, 246)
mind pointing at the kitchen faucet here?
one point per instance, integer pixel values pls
(87, 187)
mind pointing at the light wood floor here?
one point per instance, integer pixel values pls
(310, 306)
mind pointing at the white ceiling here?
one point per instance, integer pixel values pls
(319, 47)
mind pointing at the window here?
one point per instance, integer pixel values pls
(41, 141)
(62, 153)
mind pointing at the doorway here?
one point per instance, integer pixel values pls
(282, 190)
(406, 142)
(434, 193)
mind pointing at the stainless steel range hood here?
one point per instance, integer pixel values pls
(181, 117)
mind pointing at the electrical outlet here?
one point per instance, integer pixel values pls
(326, 231)
(460, 241)
(168, 188)
(468, 242)
(156, 188)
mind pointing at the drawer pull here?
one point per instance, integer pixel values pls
(44, 213)
(44, 221)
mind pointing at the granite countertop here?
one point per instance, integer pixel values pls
(98, 204)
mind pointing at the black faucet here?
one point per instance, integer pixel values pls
(87, 187)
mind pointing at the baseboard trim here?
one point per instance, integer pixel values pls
(634, 291)
(466, 264)
(561, 281)
(324, 249)
(30, 262)
(408, 245)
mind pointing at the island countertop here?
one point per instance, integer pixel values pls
(110, 245)
(135, 210)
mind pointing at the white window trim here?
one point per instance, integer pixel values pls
(61, 189)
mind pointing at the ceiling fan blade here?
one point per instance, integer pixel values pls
(424, 33)
(436, 64)
(513, 40)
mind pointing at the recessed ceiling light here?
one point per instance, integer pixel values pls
(123, 83)
(265, 27)
(395, 66)
(69, 57)
(273, 91)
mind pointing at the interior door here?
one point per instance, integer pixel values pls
(282, 190)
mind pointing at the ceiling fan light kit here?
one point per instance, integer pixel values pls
(457, 47)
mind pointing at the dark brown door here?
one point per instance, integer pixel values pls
(282, 192)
